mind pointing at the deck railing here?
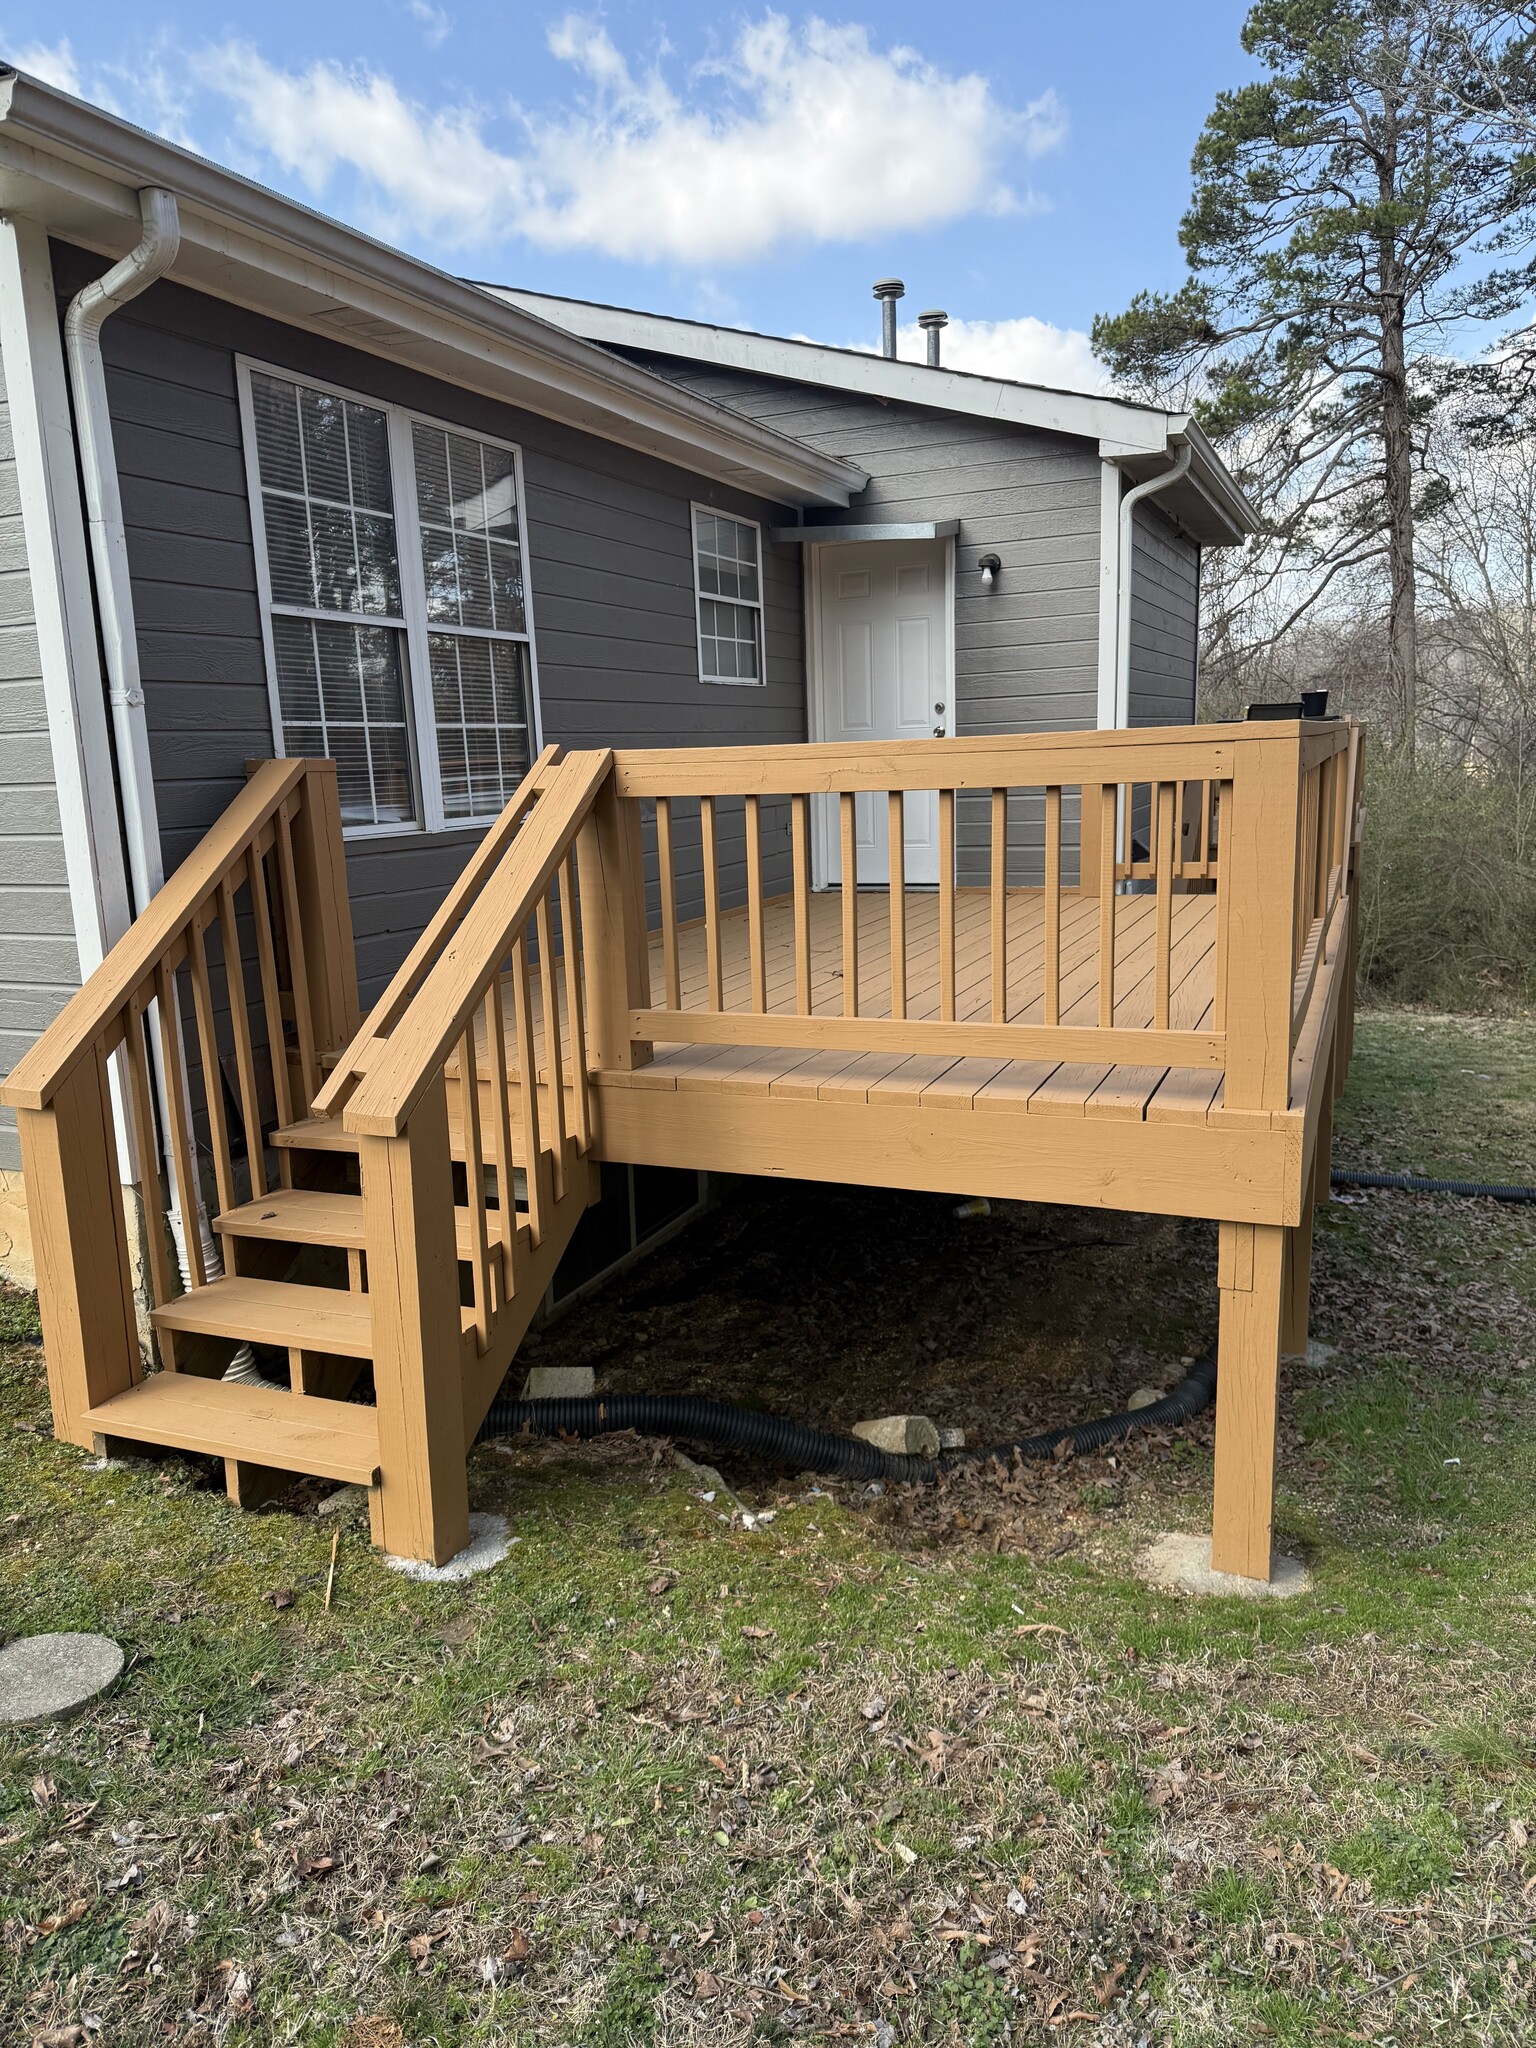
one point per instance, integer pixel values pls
(251, 942)
(1254, 815)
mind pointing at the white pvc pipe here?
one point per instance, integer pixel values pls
(1123, 567)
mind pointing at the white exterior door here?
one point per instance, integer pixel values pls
(885, 663)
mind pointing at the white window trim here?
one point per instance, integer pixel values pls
(421, 721)
(747, 603)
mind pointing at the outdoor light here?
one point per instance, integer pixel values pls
(989, 566)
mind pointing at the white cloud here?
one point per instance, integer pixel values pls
(53, 63)
(807, 133)
(1027, 350)
(436, 22)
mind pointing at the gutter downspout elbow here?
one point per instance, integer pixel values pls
(88, 312)
(1128, 504)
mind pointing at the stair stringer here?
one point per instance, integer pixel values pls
(482, 1373)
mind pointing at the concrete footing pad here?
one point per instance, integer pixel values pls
(1182, 1564)
(488, 1544)
(46, 1678)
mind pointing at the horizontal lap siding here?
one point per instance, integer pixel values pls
(1026, 652)
(610, 576)
(39, 961)
(1165, 620)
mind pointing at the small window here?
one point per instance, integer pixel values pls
(728, 578)
(399, 641)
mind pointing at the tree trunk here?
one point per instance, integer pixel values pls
(1402, 622)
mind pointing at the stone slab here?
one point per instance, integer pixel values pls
(48, 1677)
(912, 1436)
(559, 1383)
(1182, 1564)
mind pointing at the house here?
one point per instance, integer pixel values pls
(468, 753)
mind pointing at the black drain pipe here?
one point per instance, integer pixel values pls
(803, 1449)
(1416, 1184)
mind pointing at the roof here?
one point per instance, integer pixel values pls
(78, 170)
(1140, 438)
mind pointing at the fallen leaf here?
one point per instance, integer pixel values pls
(873, 1708)
(757, 1635)
(44, 1792)
(1104, 1991)
(662, 1583)
(517, 1949)
(72, 1915)
(320, 1866)
(705, 1985)
(419, 1947)
(280, 1599)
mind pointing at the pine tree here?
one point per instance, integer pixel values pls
(1352, 210)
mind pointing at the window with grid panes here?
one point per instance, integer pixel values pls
(728, 577)
(409, 665)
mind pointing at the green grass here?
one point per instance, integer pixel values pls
(573, 1803)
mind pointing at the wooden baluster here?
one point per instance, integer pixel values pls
(501, 1109)
(947, 905)
(800, 848)
(240, 1027)
(474, 1183)
(1109, 825)
(1205, 828)
(758, 965)
(549, 1003)
(711, 903)
(849, 876)
(999, 906)
(896, 897)
(666, 863)
(213, 1089)
(271, 1003)
(1223, 811)
(1053, 904)
(573, 1005)
(141, 1103)
(1163, 852)
(172, 1067)
(528, 1086)
(298, 970)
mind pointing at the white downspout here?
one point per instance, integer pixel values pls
(1123, 568)
(89, 311)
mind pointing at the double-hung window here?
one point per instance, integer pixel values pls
(727, 565)
(390, 558)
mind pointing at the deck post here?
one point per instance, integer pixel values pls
(1251, 1272)
(610, 864)
(85, 1279)
(325, 910)
(1298, 1286)
(422, 1504)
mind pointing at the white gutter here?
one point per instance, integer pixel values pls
(1123, 566)
(88, 312)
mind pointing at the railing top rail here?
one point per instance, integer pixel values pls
(443, 1006)
(47, 1064)
(1191, 753)
(391, 1006)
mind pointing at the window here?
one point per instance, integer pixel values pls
(728, 579)
(391, 562)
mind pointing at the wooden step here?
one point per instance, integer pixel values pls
(288, 1432)
(316, 1134)
(273, 1312)
(310, 1216)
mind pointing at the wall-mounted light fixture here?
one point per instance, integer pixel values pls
(990, 568)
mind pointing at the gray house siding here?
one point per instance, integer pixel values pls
(1165, 621)
(1026, 652)
(39, 961)
(610, 572)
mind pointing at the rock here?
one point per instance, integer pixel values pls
(46, 1678)
(1318, 1353)
(1182, 1564)
(338, 1502)
(488, 1544)
(951, 1439)
(704, 1479)
(913, 1435)
(559, 1383)
(1143, 1398)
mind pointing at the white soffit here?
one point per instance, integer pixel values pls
(77, 171)
(1139, 438)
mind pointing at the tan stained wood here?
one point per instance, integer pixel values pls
(273, 1312)
(848, 892)
(997, 885)
(800, 846)
(1250, 1274)
(754, 832)
(1053, 907)
(711, 859)
(947, 903)
(666, 863)
(214, 1418)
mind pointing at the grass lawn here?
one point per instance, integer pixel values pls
(881, 1768)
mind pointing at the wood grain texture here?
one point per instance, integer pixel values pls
(1251, 1262)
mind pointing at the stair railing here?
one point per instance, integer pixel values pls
(209, 1020)
(440, 1076)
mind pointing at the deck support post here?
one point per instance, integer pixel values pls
(85, 1279)
(1251, 1263)
(422, 1503)
(610, 865)
(325, 911)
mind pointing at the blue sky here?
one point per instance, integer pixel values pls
(1022, 165)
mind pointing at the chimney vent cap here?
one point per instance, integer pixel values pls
(933, 318)
(890, 288)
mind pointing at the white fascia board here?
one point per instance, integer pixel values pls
(902, 529)
(77, 172)
(1140, 429)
